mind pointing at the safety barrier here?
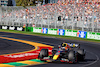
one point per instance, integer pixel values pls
(12, 28)
(65, 32)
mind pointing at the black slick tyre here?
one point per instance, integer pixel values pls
(80, 55)
(43, 53)
(71, 56)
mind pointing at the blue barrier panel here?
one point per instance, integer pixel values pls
(61, 32)
(82, 34)
(45, 30)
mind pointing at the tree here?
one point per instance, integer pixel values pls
(26, 2)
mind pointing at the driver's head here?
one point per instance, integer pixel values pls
(64, 45)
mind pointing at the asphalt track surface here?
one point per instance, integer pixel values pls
(92, 49)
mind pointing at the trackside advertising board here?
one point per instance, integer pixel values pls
(74, 33)
(92, 35)
(49, 31)
(56, 31)
(19, 28)
(64, 32)
(37, 29)
(61, 32)
(52, 31)
(4, 27)
(11, 28)
(71, 33)
(45, 30)
(82, 34)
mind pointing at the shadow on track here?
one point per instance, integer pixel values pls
(86, 61)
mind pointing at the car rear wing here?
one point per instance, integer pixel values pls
(74, 45)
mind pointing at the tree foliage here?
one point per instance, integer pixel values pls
(26, 2)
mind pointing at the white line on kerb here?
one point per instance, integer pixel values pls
(92, 62)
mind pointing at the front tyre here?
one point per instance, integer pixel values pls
(43, 53)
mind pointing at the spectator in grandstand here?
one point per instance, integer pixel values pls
(62, 8)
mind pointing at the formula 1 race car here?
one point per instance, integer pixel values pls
(67, 52)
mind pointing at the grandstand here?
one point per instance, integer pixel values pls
(84, 15)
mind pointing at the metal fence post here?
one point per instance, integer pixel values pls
(42, 18)
(64, 20)
(0, 15)
(93, 19)
(73, 17)
(55, 18)
(48, 18)
(35, 17)
(12, 16)
(83, 19)
(6, 17)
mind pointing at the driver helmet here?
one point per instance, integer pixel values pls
(64, 46)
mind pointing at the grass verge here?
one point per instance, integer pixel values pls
(49, 35)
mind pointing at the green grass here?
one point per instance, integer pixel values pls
(49, 35)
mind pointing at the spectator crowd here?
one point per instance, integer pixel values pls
(82, 11)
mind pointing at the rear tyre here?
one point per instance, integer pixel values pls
(43, 53)
(80, 55)
(71, 56)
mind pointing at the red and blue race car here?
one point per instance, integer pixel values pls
(67, 52)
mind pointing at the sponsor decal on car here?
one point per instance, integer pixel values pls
(64, 59)
(46, 58)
